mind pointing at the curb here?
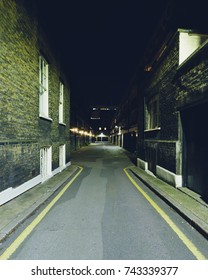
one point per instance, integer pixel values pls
(28, 212)
(190, 217)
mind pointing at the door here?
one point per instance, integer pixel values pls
(45, 163)
(195, 156)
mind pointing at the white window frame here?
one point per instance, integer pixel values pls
(46, 163)
(61, 103)
(43, 88)
(62, 156)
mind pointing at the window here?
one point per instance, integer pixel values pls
(61, 103)
(43, 89)
(62, 156)
(45, 163)
(153, 120)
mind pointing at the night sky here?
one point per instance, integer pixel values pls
(100, 44)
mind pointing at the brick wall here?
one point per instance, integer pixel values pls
(19, 163)
(191, 82)
(19, 74)
(160, 144)
(22, 132)
(192, 102)
(177, 150)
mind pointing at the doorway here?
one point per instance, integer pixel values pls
(195, 148)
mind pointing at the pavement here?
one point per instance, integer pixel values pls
(16, 211)
(187, 203)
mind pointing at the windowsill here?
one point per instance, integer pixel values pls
(45, 118)
(62, 123)
(152, 129)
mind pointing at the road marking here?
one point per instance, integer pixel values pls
(174, 227)
(18, 241)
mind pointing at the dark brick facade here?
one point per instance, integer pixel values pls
(175, 148)
(191, 80)
(23, 133)
(81, 133)
(124, 127)
(176, 151)
(173, 102)
(160, 143)
(19, 163)
(192, 103)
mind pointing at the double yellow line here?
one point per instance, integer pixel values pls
(17, 242)
(168, 220)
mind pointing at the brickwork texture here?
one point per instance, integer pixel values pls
(22, 132)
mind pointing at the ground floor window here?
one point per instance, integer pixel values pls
(46, 162)
(153, 117)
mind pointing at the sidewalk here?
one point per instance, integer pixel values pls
(14, 212)
(186, 202)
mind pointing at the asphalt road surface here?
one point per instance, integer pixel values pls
(103, 216)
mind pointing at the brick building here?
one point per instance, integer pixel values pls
(175, 109)
(172, 91)
(34, 103)
(124, 128)
(81, 133)
(192, 103)
(101, 117)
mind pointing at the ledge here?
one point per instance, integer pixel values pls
(152, 129)
(63, 124)
(45, 118)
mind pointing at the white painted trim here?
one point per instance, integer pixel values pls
(61, 123)
(60, 169)
(68, 164)
(11, 193)
(62, 156)
(46, 163)
(142, 164)
(42, 116)
(169, 177)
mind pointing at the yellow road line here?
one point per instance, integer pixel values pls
(17, 242)
(174, 227)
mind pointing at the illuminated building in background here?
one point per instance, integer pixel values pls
(101, 118)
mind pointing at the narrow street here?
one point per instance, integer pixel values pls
(103, 216)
